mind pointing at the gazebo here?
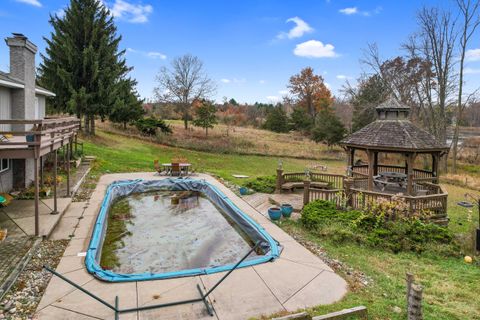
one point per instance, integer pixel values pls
(394, 133)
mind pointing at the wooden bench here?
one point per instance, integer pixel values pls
(294, 185)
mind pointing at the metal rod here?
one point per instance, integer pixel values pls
(35, 182)
(116, 308)
(80, 288)
(163, 305)
(231, 270)
(68, 170)
(205, 301)
(55, 159)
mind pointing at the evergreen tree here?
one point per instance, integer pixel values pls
(300, 120)
(83, 64)
(328, 129)
(128, 107)
(205, 116)
(277, 120)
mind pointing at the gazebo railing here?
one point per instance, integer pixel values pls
(360, 171)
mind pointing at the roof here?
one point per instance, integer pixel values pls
(401, 135)
(392, 104)
(6, 80)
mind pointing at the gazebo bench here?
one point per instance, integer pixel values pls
(294, 185)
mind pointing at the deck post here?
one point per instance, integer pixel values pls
(435, 160)
(410, 160)
(68, 168)
(55, 159)
(35, 183)
(375, 163)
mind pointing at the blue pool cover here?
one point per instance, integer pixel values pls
(269, 246)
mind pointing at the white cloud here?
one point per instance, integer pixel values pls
(472, 55)
(234, 80)
(314, 49)
(471, 71)
(301, 28)
(283, 92)
(225, 80)
(273, 99)
(349, 11)
(343, 77)
(329, 87)
(134, 13)
(156, 55)
(354, 10)
(35, 3)
(262, 81)
(60, 13)
(149, 54)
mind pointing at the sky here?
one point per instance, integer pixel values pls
(250, 48)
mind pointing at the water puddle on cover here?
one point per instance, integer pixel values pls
(168, 237)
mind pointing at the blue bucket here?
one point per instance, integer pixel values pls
(243, 191)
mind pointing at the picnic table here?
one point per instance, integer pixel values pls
(385, 179)
(174, 168)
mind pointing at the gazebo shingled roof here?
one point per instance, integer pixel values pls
(394, 134)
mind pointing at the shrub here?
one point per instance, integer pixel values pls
(382, 225)
(265, 184)
(148, 126)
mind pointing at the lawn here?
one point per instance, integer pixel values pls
(451, 286)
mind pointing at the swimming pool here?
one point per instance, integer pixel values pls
(201, 232)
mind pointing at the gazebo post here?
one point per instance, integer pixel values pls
(370, 170)
(375, 163)
(435, 159)
(410, 160)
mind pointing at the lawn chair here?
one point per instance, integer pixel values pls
(175, 170)
(160, 170)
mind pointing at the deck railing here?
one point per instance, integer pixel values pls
(333, 180)
(37, 137)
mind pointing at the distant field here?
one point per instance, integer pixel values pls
(241, 140)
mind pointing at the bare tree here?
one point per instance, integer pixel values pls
(469, 12)
(183, 83)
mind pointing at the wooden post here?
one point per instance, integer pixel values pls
(347, 185)
(68, 170)
(409, 279)
(306, 191)
(414, 311)
(76, 143)
(375, 163)
(410, 161)
(278, 186)
(55, 160)
(35, 182)
(435, 160)
(370, 170)
(41, 173)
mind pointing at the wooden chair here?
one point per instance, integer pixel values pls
(175, 169)
(158, 168)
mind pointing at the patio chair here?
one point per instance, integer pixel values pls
(175, 170)
(158, 168)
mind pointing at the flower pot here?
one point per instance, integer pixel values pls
(274, 213)
(243, 191)
(287, 210)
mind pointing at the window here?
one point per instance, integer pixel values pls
(4, 165)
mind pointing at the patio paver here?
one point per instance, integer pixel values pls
(297, 279)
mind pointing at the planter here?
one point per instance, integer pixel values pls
(30, 138)
(243, 191)
(275, 213)
(287, 210)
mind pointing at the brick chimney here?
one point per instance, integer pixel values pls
(22, 67)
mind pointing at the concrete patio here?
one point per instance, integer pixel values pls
(296, 280)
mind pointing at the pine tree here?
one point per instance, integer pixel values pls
(205, 116)
(127, 107)
(329, 129)
(83, 64)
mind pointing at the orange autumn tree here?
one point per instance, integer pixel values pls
(310, 92)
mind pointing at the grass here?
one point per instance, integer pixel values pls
(451, 286)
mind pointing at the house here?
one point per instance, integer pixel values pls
(26, 134)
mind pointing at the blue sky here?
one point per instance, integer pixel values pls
(249, 47)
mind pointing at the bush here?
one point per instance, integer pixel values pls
(277, 120)
(148, 126)
(379, 226)
(265, 184)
